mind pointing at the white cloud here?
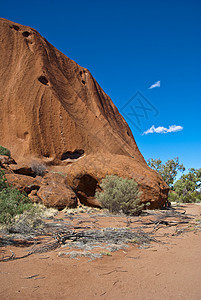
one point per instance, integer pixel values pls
(161, 129)
(156, 84)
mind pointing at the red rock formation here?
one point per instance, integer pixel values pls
(53, 109)
(57, 195)
(24, 183)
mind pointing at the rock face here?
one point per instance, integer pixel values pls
(24, 183)
(51, 190)
(53, 110)
(6, 161)
(55, 193)
(58, 196)
(87, 173)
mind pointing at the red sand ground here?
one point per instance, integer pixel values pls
(164, 271)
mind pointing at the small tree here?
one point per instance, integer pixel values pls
(120, 195)
(168, 170)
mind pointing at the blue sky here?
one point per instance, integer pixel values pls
(128, 46)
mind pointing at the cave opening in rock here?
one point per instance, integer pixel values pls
(72, 154)
(25, 33)
(43, 80)
(86, 189)
(17, 28)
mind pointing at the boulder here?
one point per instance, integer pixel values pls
(34, 197)
(57, 195)
(86, 175)
(24, 183)
(53, 177)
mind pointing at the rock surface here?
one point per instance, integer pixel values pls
(86, 175)
(54, 178)
(34, 197)
(57, 195)
(21, 169)
(51, 190)
(24, 183)
(6, 161)
(53, 110)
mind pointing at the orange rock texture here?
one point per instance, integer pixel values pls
(54, 110)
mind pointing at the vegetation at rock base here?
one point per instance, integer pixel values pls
(187, 189)
(120, 195)
(3, 181)
(12, 201)
(4, 151)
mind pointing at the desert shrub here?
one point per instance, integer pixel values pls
(185, 197)
(189, 197)
(45, 212)
(4, 151)
(29, 222)
(38, 168)
(173, 197)
(12, 203)
(120, 195)
(3, 181)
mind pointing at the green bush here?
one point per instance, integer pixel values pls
(3, 181)
(12, 201)
(120, 195)
(4, 151)
(185, 197)
(173, 197)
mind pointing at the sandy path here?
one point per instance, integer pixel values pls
(164, 271)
